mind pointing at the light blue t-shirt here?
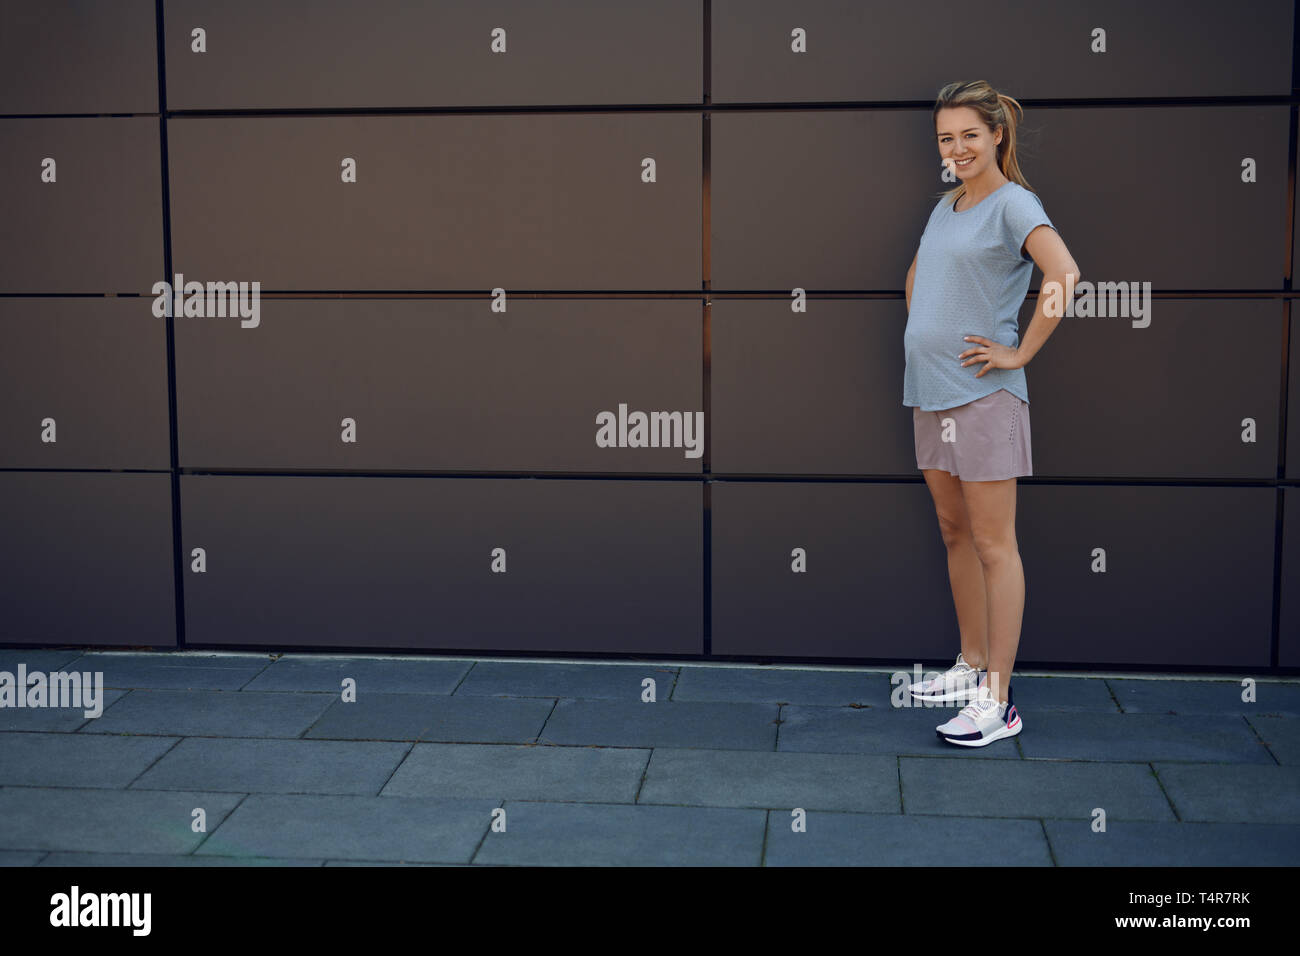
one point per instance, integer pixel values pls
(970, 280)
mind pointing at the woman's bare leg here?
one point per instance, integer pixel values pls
(991, 508)
(965, 571)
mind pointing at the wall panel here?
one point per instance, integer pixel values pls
(86, 559)
(96, 369)
(90, 221)
(590, 566)
(440, 202)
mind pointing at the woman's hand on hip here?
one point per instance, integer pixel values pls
(993, 354)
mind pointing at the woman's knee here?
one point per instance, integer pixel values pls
(995, 548)
(955, 530)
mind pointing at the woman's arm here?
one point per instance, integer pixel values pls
(1048, 250)
(907, 285)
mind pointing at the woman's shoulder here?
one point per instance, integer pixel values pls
(1019, 194)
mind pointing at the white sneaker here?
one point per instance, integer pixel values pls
(982, 721)
(959, 682)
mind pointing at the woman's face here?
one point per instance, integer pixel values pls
(966, 145)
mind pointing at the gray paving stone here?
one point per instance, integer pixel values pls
(718, 750)
(1282, 737)
(866, 839)
(1031, 788)
(37, 658)
(1205, 697)
(275, 766)
(1075, 694)
(586, 681)
(107, 821)
(532, 772)
(77, 760)
(384, 863)
(1232, 793)
(413, 676)
(766, 779)
(596, 834)
(210, 713)
(357, 828)
(175, 670)
(54, 719)
(452, 719)
(879, 730)
(1134, 843)
(619, 723)
(782, 685)
(163, 859)
(1140, 738)
(21, 857)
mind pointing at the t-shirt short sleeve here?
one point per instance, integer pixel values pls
(1022, 214)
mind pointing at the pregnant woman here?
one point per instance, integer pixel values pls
(965, 381)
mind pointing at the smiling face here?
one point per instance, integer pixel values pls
(966, 145)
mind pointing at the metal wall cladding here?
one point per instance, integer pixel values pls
(444, 385)
(440, 202)
(839, 199)
(820, 392)
(874, 583)
(70, 56)
(87, 558)
(820, 200)
(808, 393)
(1147, 193)
(348, 462)
(1187, 573)
(97, 227)
(1293, 398)
(89, 373)
(590, 566)
(1295, 228)
(337, 54)
(907, 51)
(1289, 584)
(1191, 391)
(1188, 576)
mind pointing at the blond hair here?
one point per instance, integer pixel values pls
(995, 109)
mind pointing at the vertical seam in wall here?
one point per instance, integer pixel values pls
(706, 274)
(178, 559)
(1288, 284)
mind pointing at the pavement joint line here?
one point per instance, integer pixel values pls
(726, 665)
(898, 754)
(963, 813)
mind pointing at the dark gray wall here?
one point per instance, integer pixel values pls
(535, 201)
(64, 56)
(608, 566)
(96, 367)
(97, 226)
(525, 171)
(87, 558)
(434, 385)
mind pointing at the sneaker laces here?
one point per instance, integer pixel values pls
(959, 671)
(949, 677)
(960, 668)
(979, 708)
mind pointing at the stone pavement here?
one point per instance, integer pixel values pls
(288, 773)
